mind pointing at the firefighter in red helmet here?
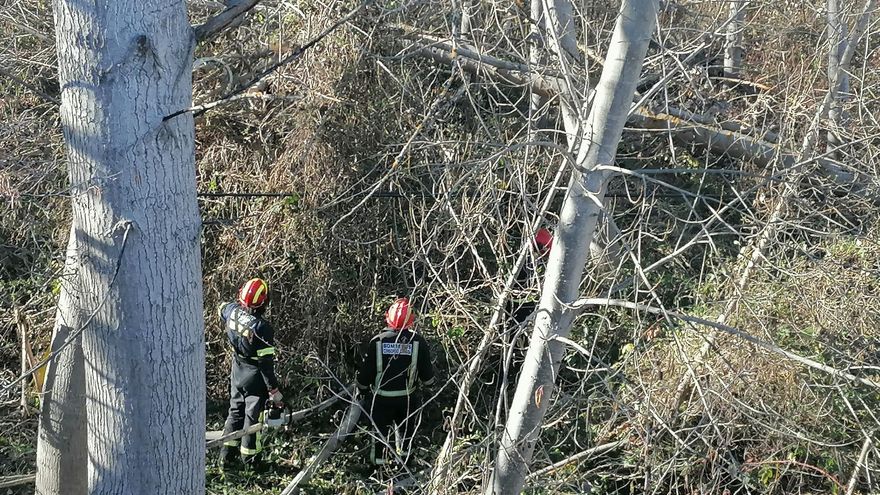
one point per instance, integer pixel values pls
(252, 379)
(394, 363)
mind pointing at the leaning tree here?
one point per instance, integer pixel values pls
(577, 224)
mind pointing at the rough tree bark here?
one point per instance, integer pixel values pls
(580, 213)
(122, 67)
(61, 441)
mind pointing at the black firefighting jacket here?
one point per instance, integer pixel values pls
(252, 339)
(393, 363)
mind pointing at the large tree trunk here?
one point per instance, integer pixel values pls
(580, 213)
(61, 443)
(122, 67)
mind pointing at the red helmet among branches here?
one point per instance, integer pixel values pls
(254, 293)
(543, 241)
(399, 316)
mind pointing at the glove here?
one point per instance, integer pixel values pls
(275, 396)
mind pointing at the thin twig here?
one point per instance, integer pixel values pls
(599, 449)
(29, 86)
(296, 54)
(21, 325)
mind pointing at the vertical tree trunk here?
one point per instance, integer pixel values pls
(536, 59)
(561, 37)
(61, 443)
(733, 50)
(21, 329)
(580, 213)
(837, 34)
(122, 67)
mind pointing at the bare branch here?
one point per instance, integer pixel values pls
(11, 481)
(586, 454)
(349, 423)
(31, 87)
(221, 21)
(860, 463)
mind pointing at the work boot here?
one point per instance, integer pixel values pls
(229, 459)
(255, 463)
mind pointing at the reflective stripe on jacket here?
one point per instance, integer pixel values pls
(252, 339)
(394, 362)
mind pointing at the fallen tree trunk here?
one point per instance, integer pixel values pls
(349, 422)
(215, 439)
(730, 143)
(766, 136)
(496, 69)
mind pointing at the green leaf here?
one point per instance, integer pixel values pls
(456, 332)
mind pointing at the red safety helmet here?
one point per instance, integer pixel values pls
(399, 316)
(254, 293)
(543, 241)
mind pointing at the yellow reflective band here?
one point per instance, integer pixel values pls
(413, 367)
(231, 443)
(393, 393)
(266, 351)
(247, 451)
(259, 441)
(260, 290)
(379, 366)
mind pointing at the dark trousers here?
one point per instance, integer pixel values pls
(388, 412)
(520, 311)
(248, 396)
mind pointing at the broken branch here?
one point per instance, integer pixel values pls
(223, 20)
